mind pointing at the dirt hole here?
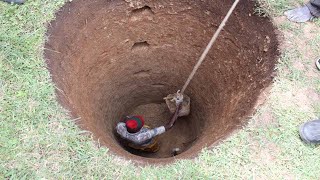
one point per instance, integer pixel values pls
(140, 45)
(142, 10)
(115, 58)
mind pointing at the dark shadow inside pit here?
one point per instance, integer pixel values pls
(110, 59)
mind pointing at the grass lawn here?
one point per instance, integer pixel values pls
(38, 139)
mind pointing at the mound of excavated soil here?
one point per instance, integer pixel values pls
(114, 58)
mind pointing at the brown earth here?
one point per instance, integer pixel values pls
(114, 58)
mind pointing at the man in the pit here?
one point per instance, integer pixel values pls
(141, 137)
(305, 13)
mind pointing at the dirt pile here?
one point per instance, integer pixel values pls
(115, 58)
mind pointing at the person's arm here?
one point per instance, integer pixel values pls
(141, 137)
(145, 136)
(122, 130)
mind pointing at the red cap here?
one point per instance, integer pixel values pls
(134, 123)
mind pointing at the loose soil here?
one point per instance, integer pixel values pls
(114, 58)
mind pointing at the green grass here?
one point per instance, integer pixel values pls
(276, 7)
(317, 22)
(38, 140)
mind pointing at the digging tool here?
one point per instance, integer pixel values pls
(174, 100)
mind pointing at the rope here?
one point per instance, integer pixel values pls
(214, 38)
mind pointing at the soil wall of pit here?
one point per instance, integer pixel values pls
(114, 58)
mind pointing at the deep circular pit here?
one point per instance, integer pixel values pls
(114, 58)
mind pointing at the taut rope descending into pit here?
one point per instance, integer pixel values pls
(205, 52)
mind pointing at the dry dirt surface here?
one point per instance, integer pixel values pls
(114, 58)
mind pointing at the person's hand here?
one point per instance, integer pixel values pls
(168, 126)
